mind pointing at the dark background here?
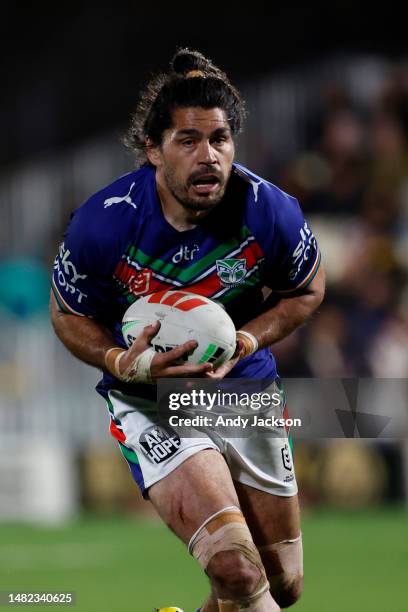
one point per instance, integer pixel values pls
(71, 69)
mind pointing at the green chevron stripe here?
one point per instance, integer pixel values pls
(111, 410)
(129, 454)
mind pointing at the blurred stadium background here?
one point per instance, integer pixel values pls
(328, 122)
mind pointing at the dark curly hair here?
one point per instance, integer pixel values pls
(193, 80)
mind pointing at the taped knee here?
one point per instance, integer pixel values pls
(227, 530)
(284, 565)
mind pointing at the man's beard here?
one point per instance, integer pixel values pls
(203, 203)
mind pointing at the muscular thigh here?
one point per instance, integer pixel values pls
(195, 490)
(271, 518)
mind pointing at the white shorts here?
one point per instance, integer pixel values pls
(152, 451)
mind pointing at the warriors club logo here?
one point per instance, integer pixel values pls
(231, 272)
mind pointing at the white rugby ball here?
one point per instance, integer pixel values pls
(183, 316)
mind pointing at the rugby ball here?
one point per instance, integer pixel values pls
(183, 316)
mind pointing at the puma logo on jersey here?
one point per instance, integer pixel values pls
(255, 184)
(119, 199)
(255, 187)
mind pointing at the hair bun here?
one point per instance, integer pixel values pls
(186, 60)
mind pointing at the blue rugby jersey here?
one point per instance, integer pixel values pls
(118, 247)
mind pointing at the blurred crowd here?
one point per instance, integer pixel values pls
(352, 181)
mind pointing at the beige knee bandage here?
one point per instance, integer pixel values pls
(286, 557)
(227, 530)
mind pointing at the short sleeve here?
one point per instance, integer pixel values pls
(79, 282)
(295, 257)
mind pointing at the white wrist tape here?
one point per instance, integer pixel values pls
(137, 371)
(250, 337)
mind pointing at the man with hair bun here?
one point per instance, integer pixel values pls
(191, 217)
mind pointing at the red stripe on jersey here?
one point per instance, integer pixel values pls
(116, 433)
(157, 286)
(190, 304)
(207, 287)
(251, 253)
(124, 272)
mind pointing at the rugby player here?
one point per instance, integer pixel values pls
(192, 218)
